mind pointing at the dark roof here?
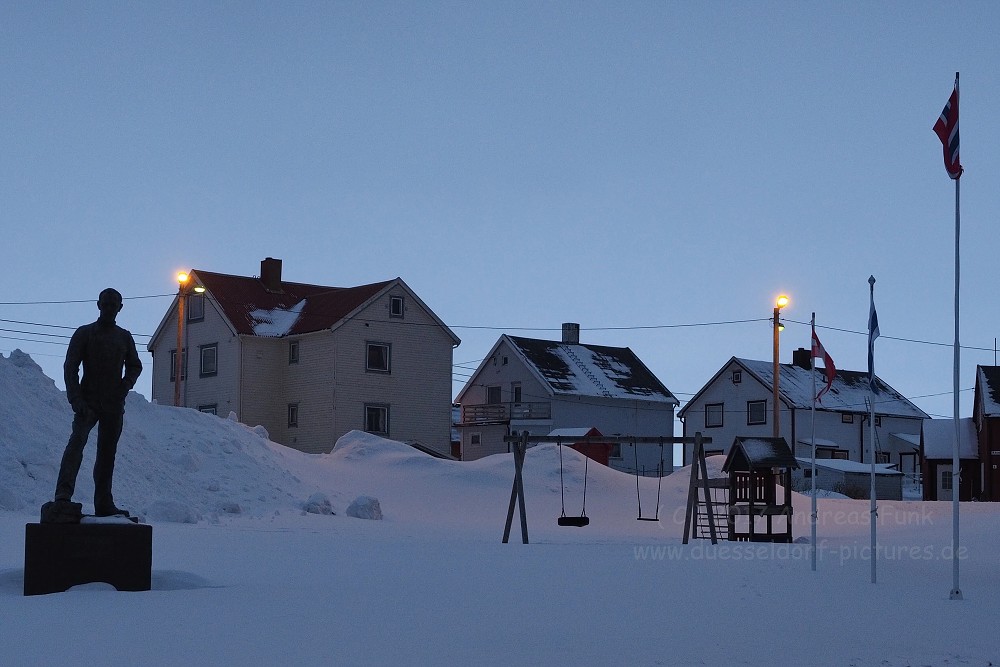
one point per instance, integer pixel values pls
(749, 453)
(990, 388)
(848, 393)
(247, 303)
(592, 370)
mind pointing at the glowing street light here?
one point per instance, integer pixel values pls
(183, 289)
(779, 303)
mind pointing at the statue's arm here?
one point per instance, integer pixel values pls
(71, 367)
(133, 367)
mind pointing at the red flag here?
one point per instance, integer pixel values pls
(946, 128)
(819, 352)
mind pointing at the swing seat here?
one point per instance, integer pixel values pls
(646, 518)
(576, 521)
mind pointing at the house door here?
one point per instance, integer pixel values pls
(944, 483)
(994, 463)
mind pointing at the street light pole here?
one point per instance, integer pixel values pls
(779, 303)
(182, 279)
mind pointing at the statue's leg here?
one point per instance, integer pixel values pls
(108, 432)
(73, 455)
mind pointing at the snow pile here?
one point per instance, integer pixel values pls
(173, 464)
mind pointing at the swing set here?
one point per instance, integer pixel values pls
(519, 446)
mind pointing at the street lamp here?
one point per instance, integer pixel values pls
(779, 303)
(183, 290)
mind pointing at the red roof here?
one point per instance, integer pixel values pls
(239, 296)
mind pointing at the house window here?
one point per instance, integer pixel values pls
(475, 438)
(209, 360)
(616, 450)
(396, 306)
(212, 409)
(756, 412)
(515, 392)
(504, 362)
(377, 359)
(737, 377)
(839, 454)
(293, 415)
(946, 480)
(195, 307)
(807, 473)
(293, 351)
(493, 394)
(878, 420)
(846, 418)
(377, 419)
(881, 457)
(713, 415)
(173, 365)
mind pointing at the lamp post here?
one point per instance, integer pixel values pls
(183, 290)
(779, 303)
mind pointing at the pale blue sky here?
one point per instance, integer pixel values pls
(519, 165)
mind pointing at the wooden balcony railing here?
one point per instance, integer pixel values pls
(505, 412)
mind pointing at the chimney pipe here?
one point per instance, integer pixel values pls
(802, 358)
(270, 274)
(571, 333)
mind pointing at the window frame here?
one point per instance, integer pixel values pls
(211, 409)
(492, 389)
(384, 409)
(173, 364)
(721, 410)
(762, 404)
(202, 349)
(293, 352)
(293, 415)
(846, 418)
(371, 344)
(393, 301)
(191, 314)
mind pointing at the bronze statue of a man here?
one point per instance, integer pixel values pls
(106, 351)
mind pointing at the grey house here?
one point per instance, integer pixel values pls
(309, 362)
(534, 385)
(738, 401)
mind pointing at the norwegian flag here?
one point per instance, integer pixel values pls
(819, 352)
(946, 128)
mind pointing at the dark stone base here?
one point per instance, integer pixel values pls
(60, 556)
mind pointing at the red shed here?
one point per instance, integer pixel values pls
(595, 451)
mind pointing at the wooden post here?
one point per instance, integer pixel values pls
(520, 446)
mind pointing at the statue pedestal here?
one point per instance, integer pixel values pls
(59, 556)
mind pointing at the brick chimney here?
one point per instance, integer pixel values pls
(270, 274)
(802, 358)
(571, 333)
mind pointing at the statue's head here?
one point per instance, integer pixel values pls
(110, 304)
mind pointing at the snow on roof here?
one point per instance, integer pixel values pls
(988, 383)
(592, 370)
(759, 453)
(574, 432)
(850, 466)
(848, 393)
(912, 439)
(939, 438)
(820, 442)
(276, 321)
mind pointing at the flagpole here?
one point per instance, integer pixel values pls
(812, 437)
(871, 439)
(956, 591)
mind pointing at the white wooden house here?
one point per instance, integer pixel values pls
(738, 401)
(309, 362)
(528, 384)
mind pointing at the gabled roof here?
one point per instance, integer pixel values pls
(755, 453)
(938, 437)
(590, 370)
(847, 394)
(988, 390)
(296, 309)
(851, 466)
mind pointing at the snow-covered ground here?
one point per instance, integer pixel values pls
(242, 575)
